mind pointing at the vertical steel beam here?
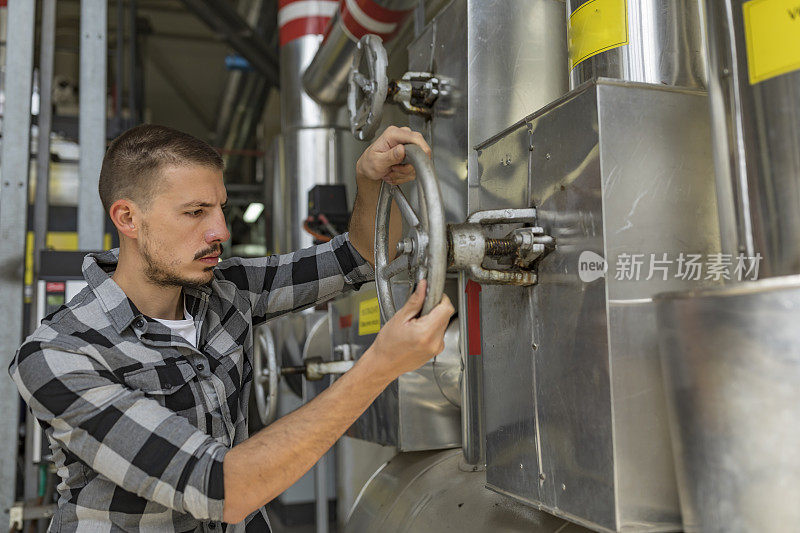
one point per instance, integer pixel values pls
(15, 158)
(133, 83)
(41, 202)
(120, 66)
(92, 122)
(46, 53)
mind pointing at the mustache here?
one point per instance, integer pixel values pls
(209, 251)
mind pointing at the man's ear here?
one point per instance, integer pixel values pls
(125, 216)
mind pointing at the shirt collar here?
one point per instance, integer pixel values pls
(97, 269)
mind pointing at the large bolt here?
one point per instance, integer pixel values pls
(405, 246)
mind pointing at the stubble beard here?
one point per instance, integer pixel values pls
(165, 275)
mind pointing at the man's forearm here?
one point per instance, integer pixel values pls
(362, 223)
(269, 462)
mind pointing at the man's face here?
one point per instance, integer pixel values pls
(183, 229)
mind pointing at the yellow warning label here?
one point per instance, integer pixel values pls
(369, 317)
(596, 26)
(772, 32)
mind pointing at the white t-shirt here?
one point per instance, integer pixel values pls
(185, 328)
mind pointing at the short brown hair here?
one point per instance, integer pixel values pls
(132, 161)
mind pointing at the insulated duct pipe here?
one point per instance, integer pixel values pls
(754, 94)
(326, 76)
(317, 146)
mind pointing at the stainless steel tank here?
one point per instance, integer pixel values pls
(649, 41)
(427, 491)
(731, 361)
(754, 88)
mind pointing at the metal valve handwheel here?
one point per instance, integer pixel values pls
(423, 249)
(266, 374)
(367, 88)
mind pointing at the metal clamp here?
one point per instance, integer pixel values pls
(416, 92)
(469, 246)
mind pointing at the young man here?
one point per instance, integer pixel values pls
(141, 382)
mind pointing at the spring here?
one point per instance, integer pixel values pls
(500, 247)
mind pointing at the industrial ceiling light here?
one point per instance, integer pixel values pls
(252, 212)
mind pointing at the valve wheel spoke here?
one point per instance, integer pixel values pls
(401, 264)
(406, 210)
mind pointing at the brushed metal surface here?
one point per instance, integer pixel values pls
(298, 110)
(665, 46)
(510, 60)
(317, 147)
(756, 133)
(731, 361)
(579, 426)
(426, 491)
(444, 53)
(517, 57)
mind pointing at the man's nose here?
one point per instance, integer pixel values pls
(218, 232)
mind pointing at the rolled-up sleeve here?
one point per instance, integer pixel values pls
(289, 282)
(121, 434)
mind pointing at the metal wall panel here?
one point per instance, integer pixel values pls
(571, 362)
(605, 179)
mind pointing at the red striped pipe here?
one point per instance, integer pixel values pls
(360, 17)
(297, 18)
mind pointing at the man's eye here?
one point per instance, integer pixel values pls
(195, 213)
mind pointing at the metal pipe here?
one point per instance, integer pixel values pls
(473, 444)
(317, 147)
(321, 494)
(325, 79)
(755, 119)
(41, 203)
(648, 41)
(40, 211)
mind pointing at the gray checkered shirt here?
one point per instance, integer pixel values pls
(137, 444)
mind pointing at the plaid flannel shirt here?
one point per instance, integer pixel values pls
(121, 399)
